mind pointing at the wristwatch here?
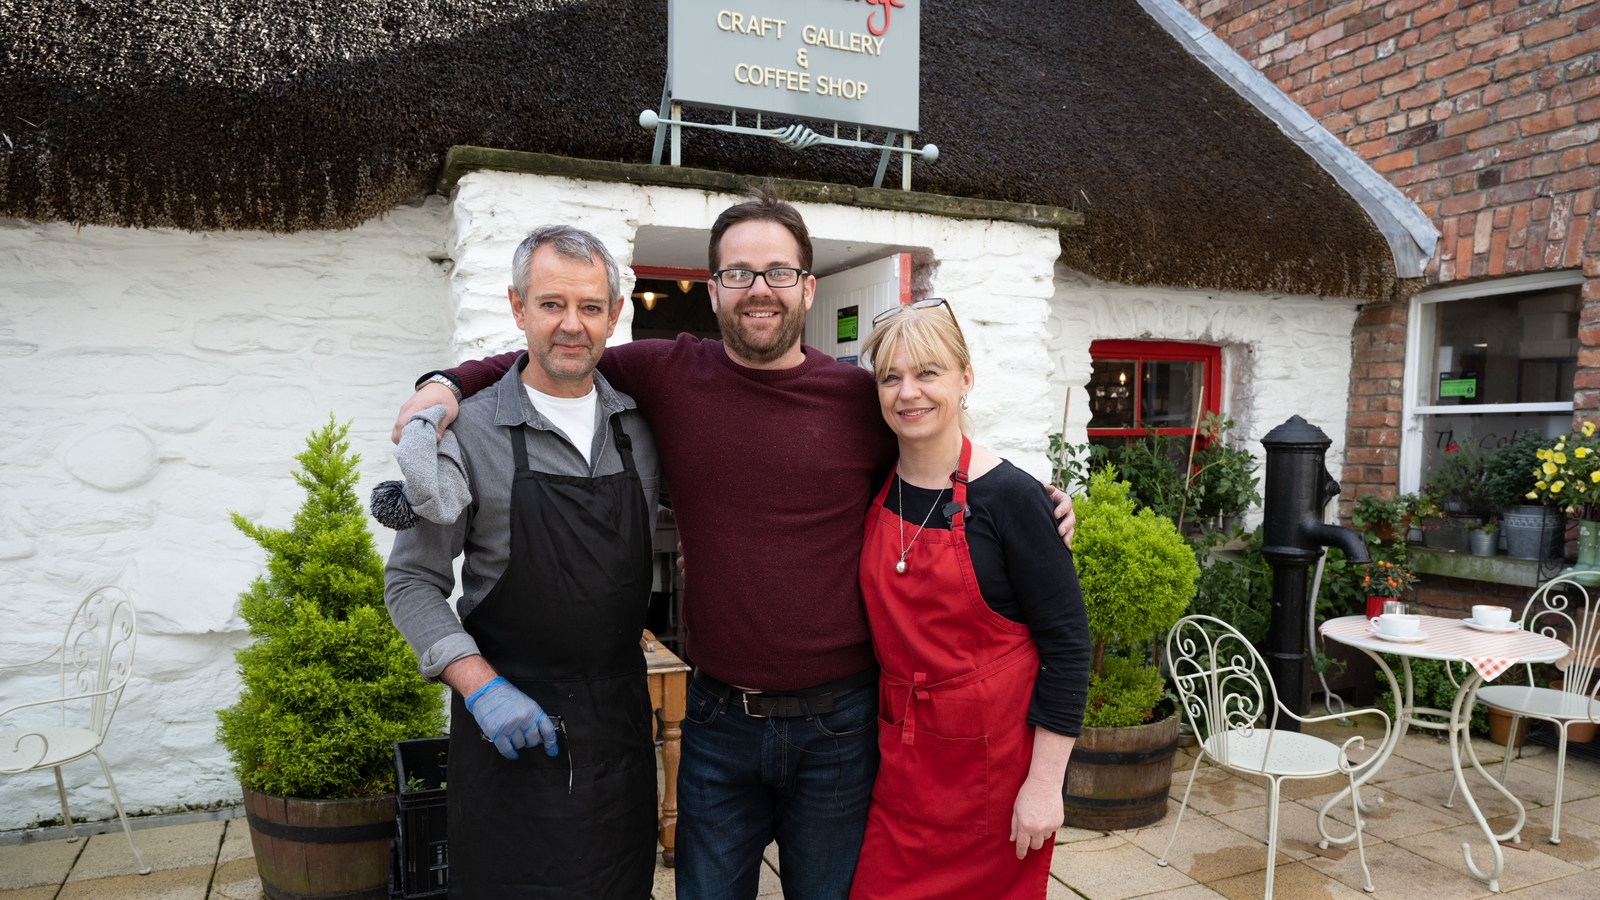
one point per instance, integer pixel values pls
(446, 380)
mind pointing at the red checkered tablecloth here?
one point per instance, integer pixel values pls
(1450, 639)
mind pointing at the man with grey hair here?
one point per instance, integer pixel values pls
(556, 581)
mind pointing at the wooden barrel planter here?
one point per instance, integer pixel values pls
(1119, 777)
(321, 848)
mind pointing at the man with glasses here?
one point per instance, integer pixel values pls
(772, 453)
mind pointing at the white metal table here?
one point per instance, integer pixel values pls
(1485, 656)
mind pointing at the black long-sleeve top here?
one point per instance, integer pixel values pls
(1024, 573)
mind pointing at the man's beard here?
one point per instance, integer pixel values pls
(791, 323)
(565, 369)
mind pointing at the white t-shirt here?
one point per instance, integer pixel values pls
(573, 415)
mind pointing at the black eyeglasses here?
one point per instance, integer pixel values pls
(929, 303)
(738, 279)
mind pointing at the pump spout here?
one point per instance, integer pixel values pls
(1348, 541)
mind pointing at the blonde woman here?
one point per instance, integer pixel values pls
(980, 631)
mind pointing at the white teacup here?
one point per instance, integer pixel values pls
(1395, 625)
(1491, 615)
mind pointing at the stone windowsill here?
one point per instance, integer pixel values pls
(1492, 569)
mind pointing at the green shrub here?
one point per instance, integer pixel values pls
(1509, 469)
(1237, 591)
(1136, 571)
(1123, 693)
(1431, 687)
(1137, 575)
(328, 684)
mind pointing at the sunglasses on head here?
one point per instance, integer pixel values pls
(929, 303)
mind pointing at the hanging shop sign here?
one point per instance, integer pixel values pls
(854, 62)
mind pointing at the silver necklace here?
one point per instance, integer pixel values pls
(905, 548)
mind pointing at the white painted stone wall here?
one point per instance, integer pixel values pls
(158, 380)
(1282, 355)
(154, 381)
(999, 277)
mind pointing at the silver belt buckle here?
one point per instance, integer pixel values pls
(744, 697)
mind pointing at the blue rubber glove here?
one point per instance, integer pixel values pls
(511, 719)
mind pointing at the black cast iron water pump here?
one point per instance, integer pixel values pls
(1292, 537)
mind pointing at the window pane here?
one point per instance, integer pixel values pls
(1511, 348)
(1169, 393)
(1111, 383)
(1489, 431)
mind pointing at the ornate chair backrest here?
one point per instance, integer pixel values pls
(1223, 683)
(97, 654)
(1552, 612)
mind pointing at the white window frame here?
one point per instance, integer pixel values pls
(1412, 439)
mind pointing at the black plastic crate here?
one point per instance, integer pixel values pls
(422, 851)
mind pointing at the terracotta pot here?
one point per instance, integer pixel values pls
(1120, 777)
(1578, 732)
(1393, 531)
(1500, 728)
(321, 848)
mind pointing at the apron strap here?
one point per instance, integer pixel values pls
(957, 510)
(519, 446)
(624, 444)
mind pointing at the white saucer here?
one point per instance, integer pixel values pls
(1492, 629)
(1400, 638)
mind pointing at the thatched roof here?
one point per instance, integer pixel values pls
(284, 115)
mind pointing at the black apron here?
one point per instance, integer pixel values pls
(563, 625)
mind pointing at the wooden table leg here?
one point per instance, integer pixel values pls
(675, 691)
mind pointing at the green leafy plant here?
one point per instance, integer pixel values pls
(1568, 474)
(1459, 484)
(1236, 590)
(1137, 574)
(1431, 688)
(1377, 518)
(1224, 481)
(1509, 469)
(1124, 692)
(1423, 507)
(1383, 578)
(328, 683)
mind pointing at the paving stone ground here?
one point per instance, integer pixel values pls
(1413, 844)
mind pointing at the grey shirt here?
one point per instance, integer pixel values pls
(420, 575)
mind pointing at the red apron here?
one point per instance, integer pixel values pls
(956, 681)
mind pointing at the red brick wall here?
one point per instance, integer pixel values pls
(1372, 432)
(1486, 114)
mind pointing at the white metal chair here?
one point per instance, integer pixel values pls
(1219, 677)
(1550, 612)
(96, 659)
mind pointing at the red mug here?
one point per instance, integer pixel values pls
(1375, 607)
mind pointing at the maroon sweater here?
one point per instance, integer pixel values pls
(771, 473)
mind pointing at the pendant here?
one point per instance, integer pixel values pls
(900, 567)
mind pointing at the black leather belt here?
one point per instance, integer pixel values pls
(806, 702)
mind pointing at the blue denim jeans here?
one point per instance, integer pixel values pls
(743, 782)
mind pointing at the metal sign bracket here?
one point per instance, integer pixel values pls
(798, 137)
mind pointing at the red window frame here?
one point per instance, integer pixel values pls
(1165, 351)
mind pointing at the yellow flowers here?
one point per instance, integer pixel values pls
(1556, 488)
(1542, 454)
(1580, 452)
(1595, 476)
(1588, 429)
(1549, 468)
(1534, 495)
(1560, 458)
(1540, 485)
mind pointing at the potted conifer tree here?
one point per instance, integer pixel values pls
(328, 686)
(1138, 575)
